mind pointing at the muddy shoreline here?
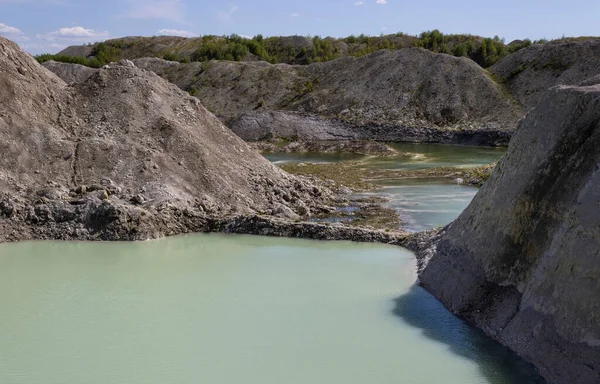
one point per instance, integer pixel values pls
(176, 222)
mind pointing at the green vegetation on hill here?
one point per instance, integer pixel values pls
(485, 52)
(88, 62)
(103, 53)
(292, 49)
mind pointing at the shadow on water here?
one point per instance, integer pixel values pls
(497, 363)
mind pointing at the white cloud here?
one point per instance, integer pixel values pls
(381, 2)
(54, 2)
(172, 10)
(43, 47)
(358, 3)
(227, 16)
(176, 32)
(11, 32)
(7, 29)
(71, 35)
(295, 15)
(75, 34)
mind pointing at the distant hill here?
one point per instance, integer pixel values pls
(408, 94)
(298, 50)
(404, 95)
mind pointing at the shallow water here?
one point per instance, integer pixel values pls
(232, 309)
(312, 157)
(425, 204)
(422, 204)
(425, 156)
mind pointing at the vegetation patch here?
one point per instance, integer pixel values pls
(353, 175)
(372, 214)
(102, 54)
(478, 176)
(345, 174)
(295, 49)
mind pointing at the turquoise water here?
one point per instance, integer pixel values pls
(232, 309)
(425, 204)
(422, 204)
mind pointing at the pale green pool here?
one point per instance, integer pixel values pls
(232, 309)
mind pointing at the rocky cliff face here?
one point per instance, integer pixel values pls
(124, 155)
(260, 126)
(523, 261)
(528, 73)
(392, 90)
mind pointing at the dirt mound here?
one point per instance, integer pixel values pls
(395, 90)
(124, 155)
(531, 71)
(70, 73)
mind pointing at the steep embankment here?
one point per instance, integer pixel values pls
(531, 71)
(406, 95)
(124, 155)
(523, 261)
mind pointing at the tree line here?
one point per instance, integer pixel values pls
(484, 51)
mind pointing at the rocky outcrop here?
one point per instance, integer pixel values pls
(125, 155)
(261, 126)
(523, 260)
(529, 72)
(274, 227)
(369, 148)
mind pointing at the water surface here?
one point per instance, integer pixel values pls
(425, 204)
(423, 156)
(422, 204)
(232, 309)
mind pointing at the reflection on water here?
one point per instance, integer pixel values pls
(425, 204)
(437, 155)
(231, 309)
(420, 309)
(311, 157)
(411, 156)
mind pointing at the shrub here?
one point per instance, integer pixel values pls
(460, 50)
(106, 53)
(171, 56)
(88, 62)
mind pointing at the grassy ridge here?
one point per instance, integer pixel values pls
(295, 49)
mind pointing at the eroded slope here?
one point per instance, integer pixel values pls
(529, 72)
(393, 92)
(523, 261)
(124, 155)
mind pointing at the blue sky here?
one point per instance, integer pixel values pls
(50, 25)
